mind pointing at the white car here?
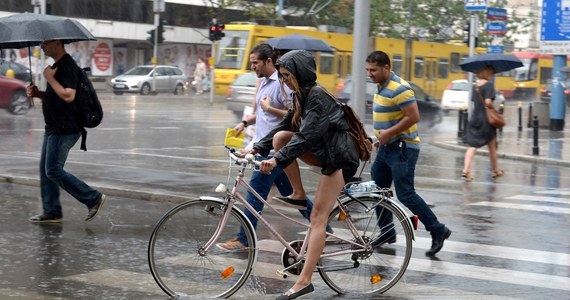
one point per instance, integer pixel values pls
(456, 95)
(139, 79)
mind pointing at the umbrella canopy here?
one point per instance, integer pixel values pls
(29, 29)
(299, 42)
(499, 62)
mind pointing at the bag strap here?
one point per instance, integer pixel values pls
(481, 96)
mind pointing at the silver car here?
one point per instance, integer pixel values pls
(139, 79)
(241, 93)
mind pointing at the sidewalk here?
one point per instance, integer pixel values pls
(519, 145)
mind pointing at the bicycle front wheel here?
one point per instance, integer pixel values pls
(182, 267)
(379, 254)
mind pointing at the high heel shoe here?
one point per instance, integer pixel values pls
(294, 295)
(497, 173)
(466, 176)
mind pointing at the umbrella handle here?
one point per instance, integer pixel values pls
(30, 99)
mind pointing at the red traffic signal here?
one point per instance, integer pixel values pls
(219, 31)
(213, 29)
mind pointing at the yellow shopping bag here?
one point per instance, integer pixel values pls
(232, 140)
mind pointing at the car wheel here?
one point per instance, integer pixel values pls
(118, 93)
(179, 90)
(145, 89)
(19, 103)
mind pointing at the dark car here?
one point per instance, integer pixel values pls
(546, 91)
(430, 110)
(13, 95)
(20, 71)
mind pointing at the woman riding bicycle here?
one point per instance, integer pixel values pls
(315, 131)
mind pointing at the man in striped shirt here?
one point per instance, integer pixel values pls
(395, 117)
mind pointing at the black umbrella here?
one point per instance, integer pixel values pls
(29, 29)
(299, 42)
(499, 62)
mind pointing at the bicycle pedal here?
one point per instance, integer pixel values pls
(281, 274)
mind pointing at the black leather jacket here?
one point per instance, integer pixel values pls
(323, 126)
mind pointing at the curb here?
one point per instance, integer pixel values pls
(528, 158)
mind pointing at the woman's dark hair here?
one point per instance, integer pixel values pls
(380, 58)
(265, 52)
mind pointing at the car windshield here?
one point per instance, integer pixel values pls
(139, 71)
(459, 86)
(246, 79)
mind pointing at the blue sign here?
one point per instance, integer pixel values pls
(555, 27)
(555, 20)
(475, 5)
(496, 49)
(498, 14)
(496, 27)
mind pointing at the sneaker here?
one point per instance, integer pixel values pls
(95, 209)
(437, 242)
(44, 219)
(295, 203)
(231, 246)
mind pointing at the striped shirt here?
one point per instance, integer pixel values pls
(395, 94)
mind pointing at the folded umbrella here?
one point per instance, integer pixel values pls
(499, 62)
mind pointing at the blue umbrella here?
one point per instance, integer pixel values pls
(499, 62)
(299, 42)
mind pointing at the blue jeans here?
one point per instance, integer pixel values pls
(55, 149)
(262, 184)
(398, 165)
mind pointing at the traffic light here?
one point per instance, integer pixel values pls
(213, 27)
(160, 31)
(467, 29)
(219, 31)
(150, 37)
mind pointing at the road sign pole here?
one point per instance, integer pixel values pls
(557, 105)
(212, 69)
(473, 28)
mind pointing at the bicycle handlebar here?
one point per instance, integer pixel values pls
(249, 159)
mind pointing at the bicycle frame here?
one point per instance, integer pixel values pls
(234, 195)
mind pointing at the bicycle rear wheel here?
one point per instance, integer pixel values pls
(377, 265)
(178, 261)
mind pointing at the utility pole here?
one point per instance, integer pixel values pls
(158, 7)
(212, 61)
(40, 8)
(360, 46)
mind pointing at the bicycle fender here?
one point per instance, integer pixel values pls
(240, 212)
(389, 202)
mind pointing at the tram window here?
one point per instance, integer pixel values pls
(232, 50)
(419, 67)
(397, 62)
(533, 73)
(443, 67)
(326, 63)
(339, 69)
(545, 74)
(455, 60)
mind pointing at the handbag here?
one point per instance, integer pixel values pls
(494, 117)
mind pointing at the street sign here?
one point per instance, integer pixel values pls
(497, 14)
(496, 49)
(496, 27)
(555, 27)
(475, 5)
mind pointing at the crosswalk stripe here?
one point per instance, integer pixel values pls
(555, 192)
(539, 199)
(541, 208)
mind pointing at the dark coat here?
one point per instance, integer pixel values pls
(323, 126)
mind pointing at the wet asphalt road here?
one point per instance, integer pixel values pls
(509, 237)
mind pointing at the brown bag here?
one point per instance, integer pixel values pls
(355, 130)
(494, 117)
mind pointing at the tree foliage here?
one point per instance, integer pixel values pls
(432, 20)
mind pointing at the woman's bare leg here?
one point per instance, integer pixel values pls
(468, 160)
(327, 191)
(293, 172)
(493, 154)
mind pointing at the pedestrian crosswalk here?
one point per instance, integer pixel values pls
(557, 201)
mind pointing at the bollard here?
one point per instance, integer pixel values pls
(520, 116)
(465, 122)
(460, 128)
(529, 123)
(535, 135)
(501, 111)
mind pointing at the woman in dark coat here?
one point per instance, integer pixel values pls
(313, 130)
(479, 131)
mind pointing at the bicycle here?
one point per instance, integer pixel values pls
(185, 261)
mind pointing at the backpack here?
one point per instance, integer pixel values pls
(355, 129)
(88, 107)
